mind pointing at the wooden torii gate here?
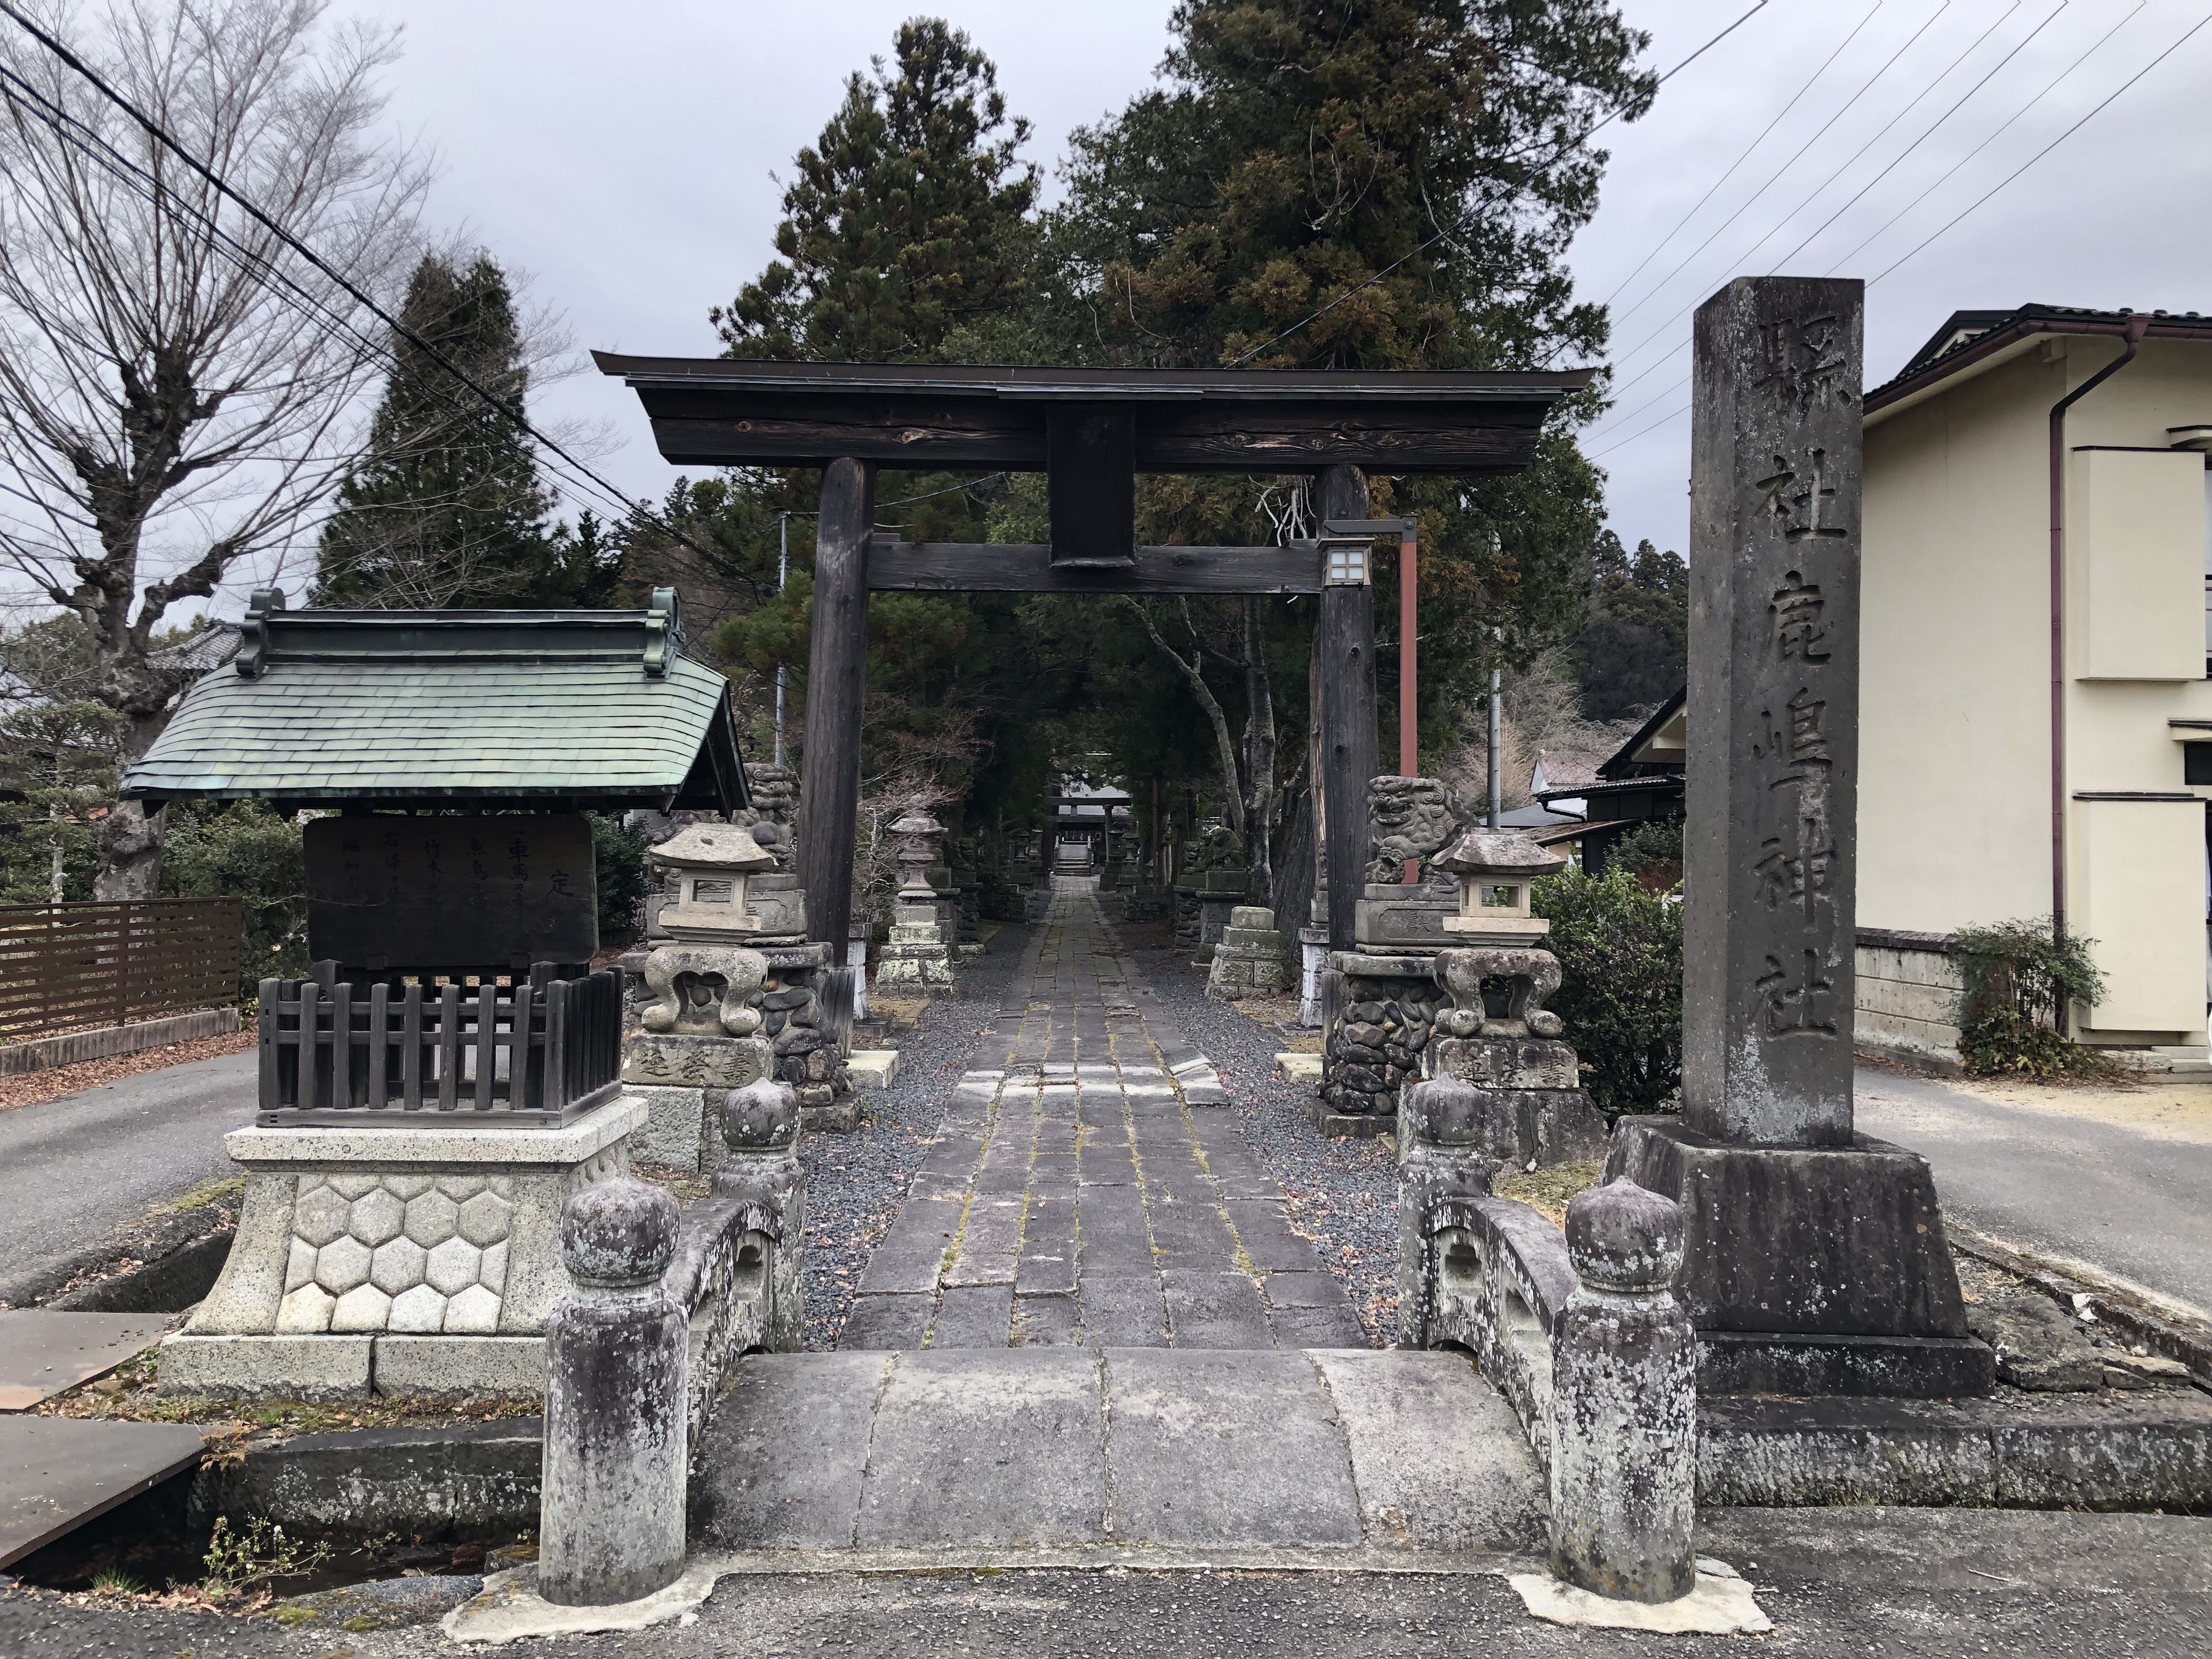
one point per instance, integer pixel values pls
(1090, 432)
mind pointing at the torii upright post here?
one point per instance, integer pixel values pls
(1349, 741)
(836, 686)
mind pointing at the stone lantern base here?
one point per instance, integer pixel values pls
(420, 1257)
(919, 957)
(1250, 960)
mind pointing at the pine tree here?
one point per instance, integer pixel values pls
(447, 510)
(907, 219)
(1635, 649)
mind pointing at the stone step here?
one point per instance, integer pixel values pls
(1052, 1449)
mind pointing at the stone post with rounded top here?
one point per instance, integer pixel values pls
(611, 1505)
(1624, 1402)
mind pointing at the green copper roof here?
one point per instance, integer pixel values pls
(429, 708)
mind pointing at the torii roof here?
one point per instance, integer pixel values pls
(541, 710)
(722, 411)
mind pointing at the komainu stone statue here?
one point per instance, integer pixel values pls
(1408, 819)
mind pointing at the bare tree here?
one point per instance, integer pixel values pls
(177, 389)
(1248, 769)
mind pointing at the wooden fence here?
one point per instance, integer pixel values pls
(69, 967)
(540, 1052)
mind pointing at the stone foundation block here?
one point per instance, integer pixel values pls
(677, 1130)
(1843, 1241)
(267, 1367)
(459, 1367)
(1885, 1367)
(697, 1062)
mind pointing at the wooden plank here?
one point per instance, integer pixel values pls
(1349, 757)
(836, 677)
(265, 1021)
(487, 1045)
(380, 1040)
(304, 1096)
(341, 1044)
(518, 1049)
(1091, 484)
(410, 1049)
(449, 1046)
(1028, 568)
(558, 997)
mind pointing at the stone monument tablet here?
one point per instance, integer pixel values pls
(452, 893)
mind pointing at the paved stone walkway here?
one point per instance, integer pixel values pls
(1090, 1185)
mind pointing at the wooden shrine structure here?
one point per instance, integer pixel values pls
(1090, 432)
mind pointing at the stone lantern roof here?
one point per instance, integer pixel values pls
(714, 847)
(1503, 853)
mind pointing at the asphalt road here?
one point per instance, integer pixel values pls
(1839, 1584)
(74, 1170)
(2131, 1202)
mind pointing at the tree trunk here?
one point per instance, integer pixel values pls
(1259, 754)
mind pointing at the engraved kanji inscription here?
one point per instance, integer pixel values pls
(1796, 738)
(1798, 998)
(1800, 874)
(1800, 496)
(1808, 361)
(1799, 633)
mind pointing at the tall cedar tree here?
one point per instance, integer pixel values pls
(446, 509)
(907, 219)
(1635, 650)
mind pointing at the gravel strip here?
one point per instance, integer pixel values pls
(1343, 1194)
(856, 1182)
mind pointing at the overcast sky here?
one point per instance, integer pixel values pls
(623, 157)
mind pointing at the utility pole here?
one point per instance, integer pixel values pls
(782, 575)
(1497, 737)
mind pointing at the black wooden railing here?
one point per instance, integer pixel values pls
(539, 1051)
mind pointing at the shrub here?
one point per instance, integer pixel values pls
(1651, 851)
(243, 848)
(1620, 946)
(2020, 978)
(618, 861)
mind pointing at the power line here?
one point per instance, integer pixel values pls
(1659, 247)
(2048, 147)
(1660, 287)
(1960, 217)
(1775, 178)
(1487, 201)
(2024, 42)
(222, 187)
(1946, 178)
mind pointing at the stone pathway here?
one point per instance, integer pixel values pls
(1089, 1186)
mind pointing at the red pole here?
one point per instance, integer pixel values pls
(1409, 662)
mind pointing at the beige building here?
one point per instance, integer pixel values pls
(1963, 816)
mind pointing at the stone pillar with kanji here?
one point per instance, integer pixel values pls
(1814, 1260)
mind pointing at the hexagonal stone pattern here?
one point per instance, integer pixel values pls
(475, 1310)
(342, 1264)
(397, 1266)
(364, 1308)
(432, 1219)
(485, 1218)
(320, 1215)
(420, 1310)
(398, 1252)
(453, 1265)
(376, 1217)
(305, 1311)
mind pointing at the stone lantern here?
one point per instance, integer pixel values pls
(919, 956)
(1495, 870)
(710, 864)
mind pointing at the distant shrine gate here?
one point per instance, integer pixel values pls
(1090, 432)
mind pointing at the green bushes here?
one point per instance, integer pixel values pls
(1620, 946)
(618, 857)
(2020, 978)
(243, 848)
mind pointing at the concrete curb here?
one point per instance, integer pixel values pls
(73, 1048)
(2115, 1305)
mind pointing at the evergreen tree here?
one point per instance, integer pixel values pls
(907, 219)
(1635, 650)
(446, 509)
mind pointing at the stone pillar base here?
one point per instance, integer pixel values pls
(426, 1227)
(1538, 1117)
(1784, 1243)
